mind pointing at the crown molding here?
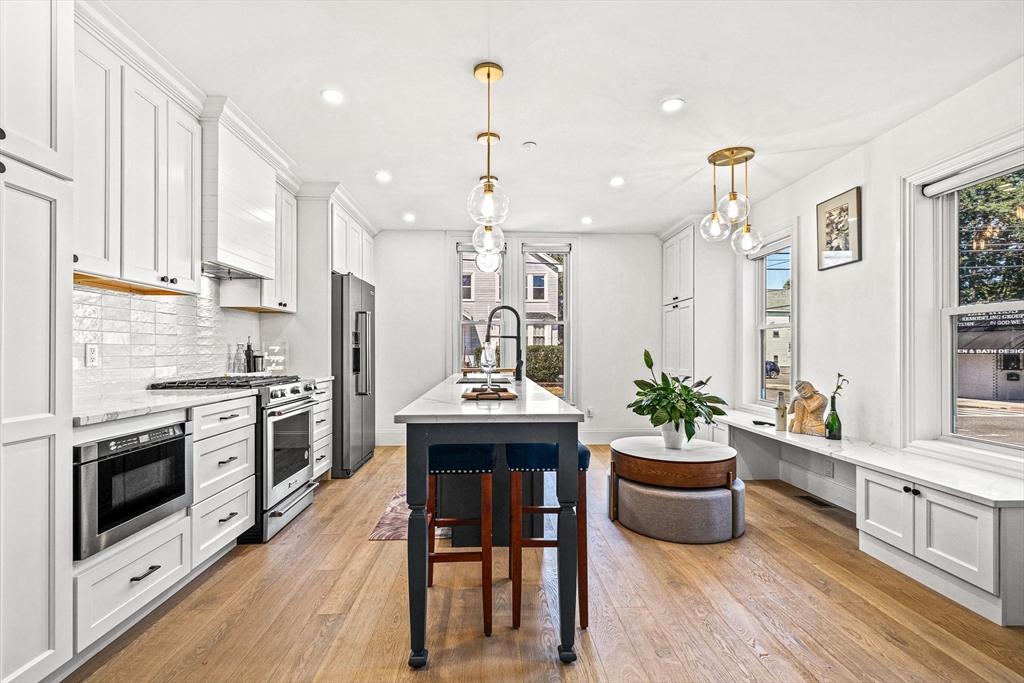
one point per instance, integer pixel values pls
(337, 192)
(101, 22)
(691, 219)
(316, 190)
(221, 110)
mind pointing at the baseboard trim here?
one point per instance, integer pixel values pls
(88, 653)
(825, 488)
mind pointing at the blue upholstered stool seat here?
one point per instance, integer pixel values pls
(461, 458)
(541, 457)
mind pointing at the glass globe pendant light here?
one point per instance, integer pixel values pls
(488, 263)
(488, 202)
(713, 228)
(488, 239)
(748, 239)
(734, 206)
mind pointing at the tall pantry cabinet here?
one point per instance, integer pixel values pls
(36, 154)
(677, 303)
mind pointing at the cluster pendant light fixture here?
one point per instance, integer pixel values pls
(731, 213)
(488, 202)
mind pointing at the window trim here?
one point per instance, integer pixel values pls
(761, 313)
(456, 245)
(924, 289)
(472, 287)
(530, 288)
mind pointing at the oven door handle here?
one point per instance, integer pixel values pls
(309, 487)
(292, 409)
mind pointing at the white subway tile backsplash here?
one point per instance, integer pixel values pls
(144, 338)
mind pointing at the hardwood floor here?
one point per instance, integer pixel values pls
(791, 600)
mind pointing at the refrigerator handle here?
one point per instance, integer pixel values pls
(367, 346)
(360, 355)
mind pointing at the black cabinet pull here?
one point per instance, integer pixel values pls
(74, 258)
(906, 489)
(916, 492)
(3, 135)
(144, 574)
(229, 460)
(3, 169)
(285, 305)
(163, 278)
(229, 417)
(675, 298)
(233, 514)
(174, 280)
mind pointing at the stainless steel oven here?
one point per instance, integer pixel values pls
(124, 484)
(288, 446)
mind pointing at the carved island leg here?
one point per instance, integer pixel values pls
(416, 476)
(568, 491)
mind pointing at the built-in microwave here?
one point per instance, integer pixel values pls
(124, 484)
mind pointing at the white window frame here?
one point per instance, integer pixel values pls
(751, 284)
(472, 287)
(456, 244)
(929, 302)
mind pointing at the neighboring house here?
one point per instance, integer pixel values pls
(777, 342)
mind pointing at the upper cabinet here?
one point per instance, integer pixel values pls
(677, 270)
(280, 294)
(36, 62)
(351, 245)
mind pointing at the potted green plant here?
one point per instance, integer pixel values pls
(672, 401)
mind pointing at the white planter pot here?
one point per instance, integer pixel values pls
(673, 439)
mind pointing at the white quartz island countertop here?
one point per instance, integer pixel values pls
(989, 488)
(444, 403)
(95, 409)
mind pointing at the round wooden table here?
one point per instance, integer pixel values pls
(698, 464)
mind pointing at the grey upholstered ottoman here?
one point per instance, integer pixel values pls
(708, 515)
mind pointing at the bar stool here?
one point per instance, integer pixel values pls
(543, 457)
(463, 459)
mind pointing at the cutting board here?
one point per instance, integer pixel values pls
(494, 394)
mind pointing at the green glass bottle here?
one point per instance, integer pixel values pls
(833, 426)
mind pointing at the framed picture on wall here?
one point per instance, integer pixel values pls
(839, 230)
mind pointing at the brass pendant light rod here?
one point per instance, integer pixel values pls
(488, 72)
(714, 190)
(746, 191)
(488, 122)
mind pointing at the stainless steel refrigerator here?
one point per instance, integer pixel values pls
(352, 359)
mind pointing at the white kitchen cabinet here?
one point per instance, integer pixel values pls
(97, 186)
(35, 422)
(677, 267)
(339, 239)
(952, 533)
(677, 343)
(351, 245)
(184, 200)
(367, 257)
(221, 518)
(36, 72)
(354, 249)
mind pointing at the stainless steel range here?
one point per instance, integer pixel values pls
(284, 467)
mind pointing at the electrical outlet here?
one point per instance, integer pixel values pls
(590, 412)
(92, 355)
(830, 468)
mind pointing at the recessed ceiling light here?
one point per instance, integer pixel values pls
(616, 181)
(529, 144)
(383, 176)
(587, 220)
(409, 218)
(332, 96)
(674, 104)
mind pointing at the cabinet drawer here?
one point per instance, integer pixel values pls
(885, 508)
(958, 536)
(223, 460)
(322, 453)
(217, 418)
(324, 391)
(322, 420)
(221, 518)
(110, 592)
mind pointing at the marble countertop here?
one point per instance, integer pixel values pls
(444, 403)
(988, 488)
(95, 409)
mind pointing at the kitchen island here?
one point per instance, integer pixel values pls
(441, 416)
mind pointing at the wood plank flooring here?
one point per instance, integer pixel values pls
(792, 600)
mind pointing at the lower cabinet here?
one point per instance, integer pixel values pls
(952, 533)
(108, 592)
(221, 518)
(321, 456)
(222, 461)
(677, 328)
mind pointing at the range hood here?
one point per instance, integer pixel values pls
(241, 169)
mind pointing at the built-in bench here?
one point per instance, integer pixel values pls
(954, 528)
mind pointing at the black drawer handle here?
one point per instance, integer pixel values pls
(3, 135)
(174, 280)
(321, 457)
(675, 298)
(916, 492)
(319, 393)
(146, 573)
(906, 489)
(3, 169)
(225, 462)
(230, 417)
(164, 278)
(233, 514)
(321, 421)
(74, 258)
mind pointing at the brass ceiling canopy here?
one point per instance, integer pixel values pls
(488, 72)
(494, 138)
(730, 156)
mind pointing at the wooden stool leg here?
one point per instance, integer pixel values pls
(515, 546)
(431, 498)
(485, 548)
(581, 545)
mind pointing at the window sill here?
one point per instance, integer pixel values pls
(990, 460)
(757, 408)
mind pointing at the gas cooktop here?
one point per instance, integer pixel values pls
(237, 382)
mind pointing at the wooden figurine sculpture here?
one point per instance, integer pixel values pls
(807, 410)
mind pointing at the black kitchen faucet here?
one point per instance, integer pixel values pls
(518, 337)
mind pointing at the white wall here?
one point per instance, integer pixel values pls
(850, 316)
(619, 315)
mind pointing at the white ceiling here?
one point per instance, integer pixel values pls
(801, 82)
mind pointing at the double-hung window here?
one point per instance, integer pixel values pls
(479, 293)
(983, 311)
(546, 318)
(774, 320)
